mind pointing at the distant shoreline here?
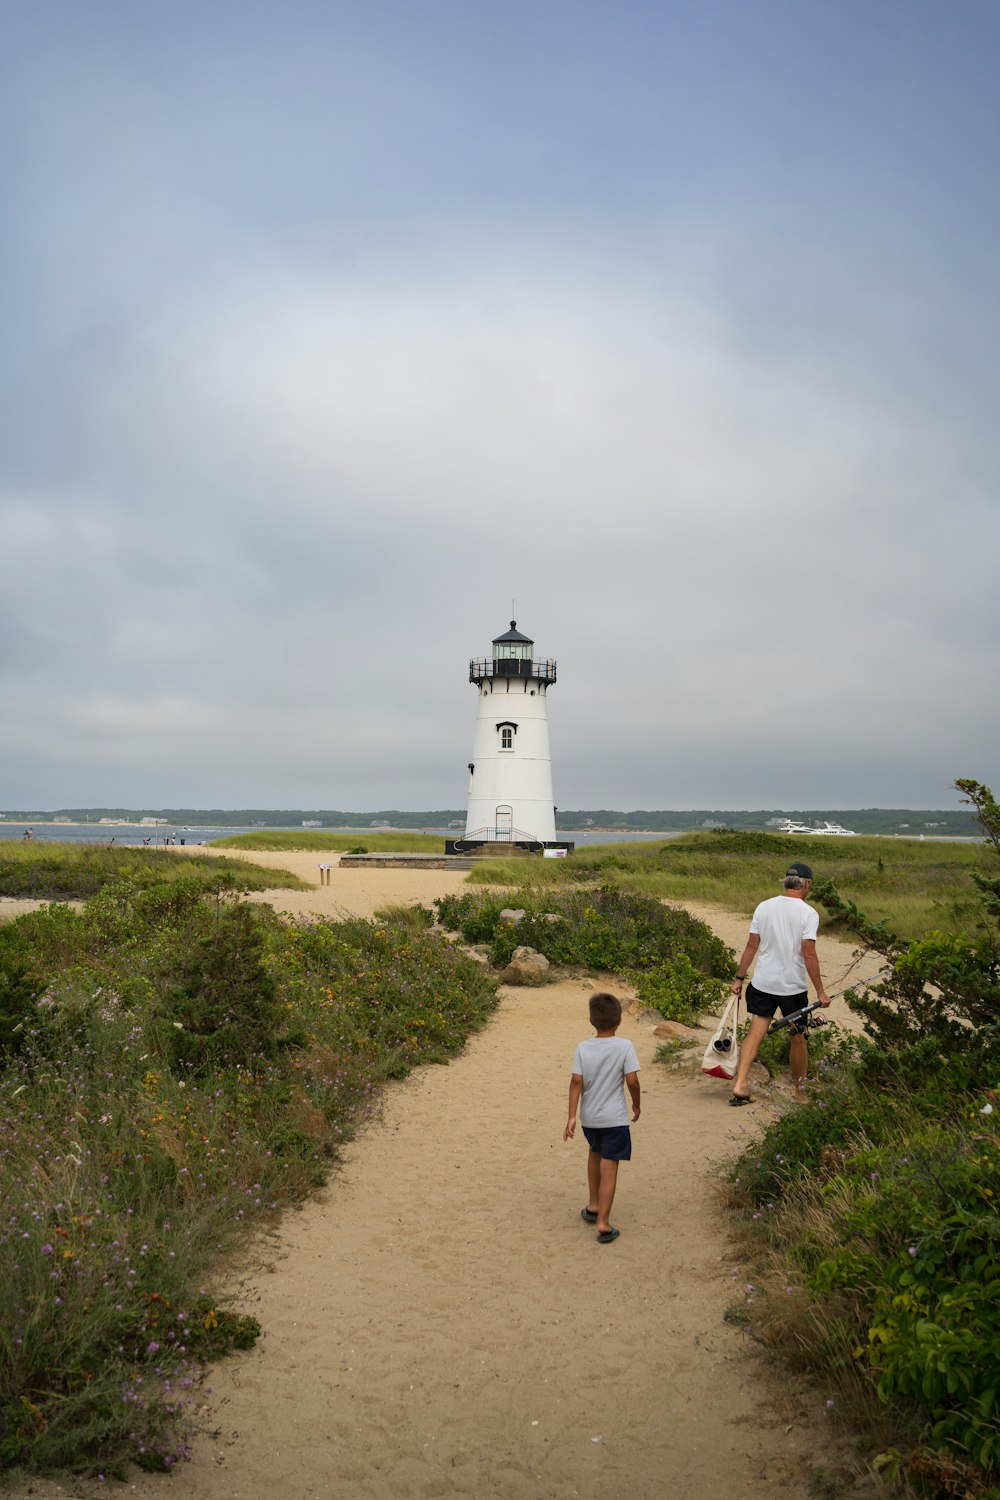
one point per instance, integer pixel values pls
(202, 830)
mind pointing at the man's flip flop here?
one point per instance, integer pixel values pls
(588, 1216)
(738, 1099)
(607, 1235)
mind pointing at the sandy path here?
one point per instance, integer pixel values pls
(439, 1322)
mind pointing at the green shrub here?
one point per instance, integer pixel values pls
(923, 1073)
(476, 917)
(220, 1003)
(607, 929)
(678, 990)
(747, 841)
(45, 940)
(404, 992)
(137, 1153)
(920, 1258)
(19, 993)
(987, 811)
(813, 1138)
(890, 1220)
(944, 986)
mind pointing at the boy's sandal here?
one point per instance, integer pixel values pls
(588, 1216)
(607, 1235)
(738, 1099)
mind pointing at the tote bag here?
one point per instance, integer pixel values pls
(722, 1053)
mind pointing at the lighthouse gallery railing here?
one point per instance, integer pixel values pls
(484, 667)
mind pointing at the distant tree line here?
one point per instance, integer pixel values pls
(946, 822)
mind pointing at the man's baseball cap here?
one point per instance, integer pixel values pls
(803, 871)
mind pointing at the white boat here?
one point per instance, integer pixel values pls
(788, 826)
(835, 830)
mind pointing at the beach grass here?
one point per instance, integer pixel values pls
(53, 871)
(368, 841)
(915, 885)
(871, 1206)
(870, 1218)
(175, 1067)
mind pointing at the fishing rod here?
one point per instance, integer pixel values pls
(799, 1021)
(862, 984)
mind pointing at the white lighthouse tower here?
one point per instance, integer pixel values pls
(510, 774)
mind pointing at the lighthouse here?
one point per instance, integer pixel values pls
(510, 773)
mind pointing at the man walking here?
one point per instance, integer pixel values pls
(783, 941)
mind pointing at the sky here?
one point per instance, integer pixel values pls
(337, 335)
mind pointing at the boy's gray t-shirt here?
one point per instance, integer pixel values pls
(603, 1062)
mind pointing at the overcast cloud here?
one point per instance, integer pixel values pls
(331, 329)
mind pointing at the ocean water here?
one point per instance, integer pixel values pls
(126, 834)
(131, 835)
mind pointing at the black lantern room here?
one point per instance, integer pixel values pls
(512, 657)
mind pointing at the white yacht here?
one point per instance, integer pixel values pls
(836, 830)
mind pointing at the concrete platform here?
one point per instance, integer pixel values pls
(409, 861)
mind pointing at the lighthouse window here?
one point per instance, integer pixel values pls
(506, 738)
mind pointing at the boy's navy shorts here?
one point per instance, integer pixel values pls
(611, 1142)
(759, 1003)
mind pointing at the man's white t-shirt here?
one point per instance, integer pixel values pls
(603, 1061)
(782, 923)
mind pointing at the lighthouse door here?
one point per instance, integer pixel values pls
(505, 824)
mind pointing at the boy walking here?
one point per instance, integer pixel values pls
(603, 1068)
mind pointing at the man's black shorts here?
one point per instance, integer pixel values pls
(761, 1004)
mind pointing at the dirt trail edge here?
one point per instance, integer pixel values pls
(440, 1322)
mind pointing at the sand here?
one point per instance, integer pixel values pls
(440, 1322)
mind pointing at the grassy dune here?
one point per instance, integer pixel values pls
(914, 884)
(378, 841)
(75, 872)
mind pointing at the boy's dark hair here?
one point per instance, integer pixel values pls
(605, 1011)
